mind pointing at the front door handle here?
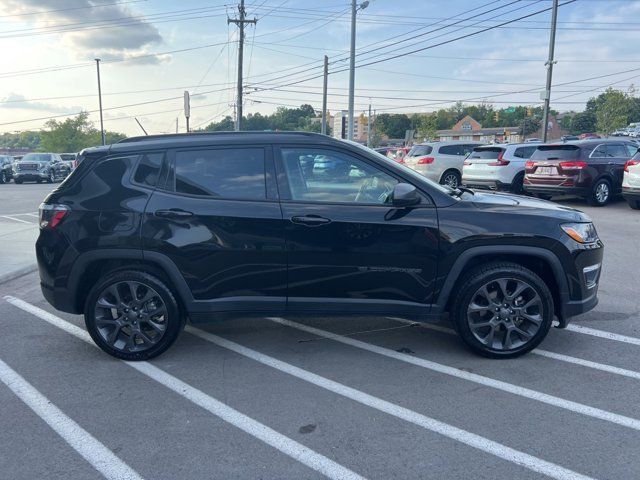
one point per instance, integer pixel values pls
(173, 213)
(311, 220)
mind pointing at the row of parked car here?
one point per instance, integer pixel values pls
(37, 167)
(596, 169)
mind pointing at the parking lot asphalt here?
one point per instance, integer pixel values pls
(303, 397)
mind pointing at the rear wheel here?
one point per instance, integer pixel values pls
(635, 204)
(3, 177)
(502, 310)
(516, 184)
(600, 193)
(132, 315)
(451, 178)
(18, 181)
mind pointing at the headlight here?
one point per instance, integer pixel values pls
(581, 232)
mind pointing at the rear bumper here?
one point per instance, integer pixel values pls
(556, 190)
(482, 183)
(631, 193)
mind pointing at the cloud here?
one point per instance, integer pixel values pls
(20, 102)
(89, 29)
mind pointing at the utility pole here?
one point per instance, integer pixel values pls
(100, 102)
(369, 126)
(187, 107)
(352, 64)
(240, 23)
(549, 64)
(323, 127)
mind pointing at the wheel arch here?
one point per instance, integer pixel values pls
(541, 261)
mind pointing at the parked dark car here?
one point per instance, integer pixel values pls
(6, 168)
(152, 231)
(40, 167)
(591, 169)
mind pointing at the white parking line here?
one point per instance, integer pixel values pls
(468, 438)
(280, 442)
(543, 353)
(94, 452)
(603, 334)
(472, 377)
(9, 217)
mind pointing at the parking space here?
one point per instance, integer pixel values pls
(315, 397)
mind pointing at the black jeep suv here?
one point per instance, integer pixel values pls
(152, 231)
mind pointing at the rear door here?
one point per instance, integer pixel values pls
(617, 156)
(216, 217)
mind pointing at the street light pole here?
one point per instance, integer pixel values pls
(100, 103)
(549, 64)
(352, 64)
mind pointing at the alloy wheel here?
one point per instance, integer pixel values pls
(451, 180)
(602, 192)
(504, 314)
(130, 316)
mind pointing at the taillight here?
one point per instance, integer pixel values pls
(500, 162)
(529, 165)
(467, 162)
(426, 160)
(573, 165)
(630, 163)
(51, 214)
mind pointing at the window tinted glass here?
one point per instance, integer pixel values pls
(631, 149)
(451, 150)
(317, 175)
(617, 151)
(420, 150)
(556, 152)
(524, 152)
(467, 149)
(37, 157)
(599, 152)
(486, 153)
(224, 173)
(148, 169)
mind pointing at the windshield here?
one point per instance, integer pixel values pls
(420, 150)
(406, 170)
(556, 152)
(36, 157)
(486, 153)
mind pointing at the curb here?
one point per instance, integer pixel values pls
(20, 272)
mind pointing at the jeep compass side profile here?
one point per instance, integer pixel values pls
(153, 231)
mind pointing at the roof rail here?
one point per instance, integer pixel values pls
(196, 134)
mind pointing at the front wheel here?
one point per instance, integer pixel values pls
(502, 310)
(451, 178)
(132, 315)
(52, 177)
(517, 184)
(3, 177)
(18, 181)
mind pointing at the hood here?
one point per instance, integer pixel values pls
(515, 204)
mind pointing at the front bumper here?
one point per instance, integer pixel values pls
(30, 176)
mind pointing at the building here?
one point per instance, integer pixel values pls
(360, 126)
(469, 129)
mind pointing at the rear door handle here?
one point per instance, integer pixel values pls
(173, 213)
(311, 220)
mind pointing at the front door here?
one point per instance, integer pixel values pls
(218, 220)
(348, 250)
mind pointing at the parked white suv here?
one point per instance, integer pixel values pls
(440, 161)
(497, 167)
(631, 182)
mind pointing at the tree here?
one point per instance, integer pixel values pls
(73, 134)
(528, 125)
(426, 127)
(613, 108)
(583, 122)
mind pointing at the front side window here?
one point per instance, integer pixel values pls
(233, 173)
(616, 151)
(328, 176)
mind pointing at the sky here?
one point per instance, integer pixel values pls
(154, 50)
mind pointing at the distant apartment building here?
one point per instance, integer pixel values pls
(360, 126)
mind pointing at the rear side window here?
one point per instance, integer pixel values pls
(237, 173)
(451, 150)
(420, 150)
(556, 152)
(524, 152)
(599, 152)
(486, 153)
(148, 170)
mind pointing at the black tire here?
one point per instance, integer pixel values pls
(635, 204)
(18, 181)
(517, 184)
(600, 193)
(542, 196)
(3, 177)
(513, 275)
(172, 321)
(452, 178)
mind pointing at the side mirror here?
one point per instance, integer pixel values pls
(405, 195)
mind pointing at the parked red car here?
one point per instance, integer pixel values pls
(591, 169)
